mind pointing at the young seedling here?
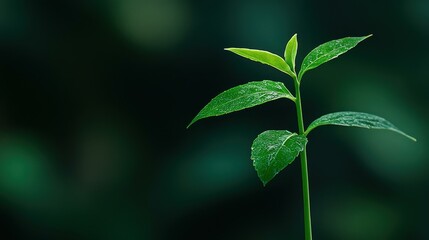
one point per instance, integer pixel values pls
(273, 150)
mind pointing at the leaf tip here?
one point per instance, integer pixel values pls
(411, 138)
(406, 135)
(264, 183)
(367, 36)
(192, 122)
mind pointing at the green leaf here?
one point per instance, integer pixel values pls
(264, 57)
(355, 119)
(273, 150)
(328, 51)
(243, 96)
(290, 51)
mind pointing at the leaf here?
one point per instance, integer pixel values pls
(273, 150)
(290, 51)
(355, 119)
(328, 51)
(264, 57)
(243, 96)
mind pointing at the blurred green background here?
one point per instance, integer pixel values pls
(95, 97)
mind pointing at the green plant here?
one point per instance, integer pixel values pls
(273, 150)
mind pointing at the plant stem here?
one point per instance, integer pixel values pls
(304, 170)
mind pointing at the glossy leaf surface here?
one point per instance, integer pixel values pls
(328, 51)
(273, 150)
(290, 52)
(356, 119)
(264, 57)
(242, 97)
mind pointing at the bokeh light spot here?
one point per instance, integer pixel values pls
(152, 24)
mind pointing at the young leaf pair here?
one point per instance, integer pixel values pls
(273, 150)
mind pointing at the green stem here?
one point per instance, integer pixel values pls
(304, 169)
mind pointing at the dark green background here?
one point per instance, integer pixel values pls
(95, 97)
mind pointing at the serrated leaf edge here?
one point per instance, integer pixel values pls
(287, 69)
(290, 44)
(264, 183)
(301, 71)
(288, 95)
(393, 128)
